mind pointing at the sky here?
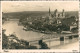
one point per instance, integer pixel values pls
(18, 6)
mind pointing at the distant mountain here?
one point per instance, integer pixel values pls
(72, 13)
(36, 14)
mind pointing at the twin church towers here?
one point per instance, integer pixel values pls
(56, 15)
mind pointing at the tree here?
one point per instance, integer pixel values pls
(43, 45)
(4, 41)
(74, 30)
(68, 21)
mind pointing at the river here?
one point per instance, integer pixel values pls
(13, 27)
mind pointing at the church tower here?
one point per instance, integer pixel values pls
(49, 12)
(50, 17)
(63, 13)
(56, 13)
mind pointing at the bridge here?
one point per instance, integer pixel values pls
(59, 38)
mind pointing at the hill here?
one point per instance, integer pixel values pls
(35, 14)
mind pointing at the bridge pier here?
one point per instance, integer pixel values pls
(40, 42)
(70, 38)
(62, 40)
(76, 37)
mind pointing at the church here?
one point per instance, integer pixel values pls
(56, 15)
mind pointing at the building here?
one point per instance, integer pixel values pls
(56, 16)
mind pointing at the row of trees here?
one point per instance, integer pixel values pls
(4, 40)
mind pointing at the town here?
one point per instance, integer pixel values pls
(53, 24)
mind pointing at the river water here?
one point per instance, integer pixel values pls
(12, 27)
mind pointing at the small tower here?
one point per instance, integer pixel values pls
(50, 17)
(63, 13)
(49, 12)
(56, 13)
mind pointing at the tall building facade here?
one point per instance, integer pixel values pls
(56, 15)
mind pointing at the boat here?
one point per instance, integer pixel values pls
(25, 29)
(66, 32)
